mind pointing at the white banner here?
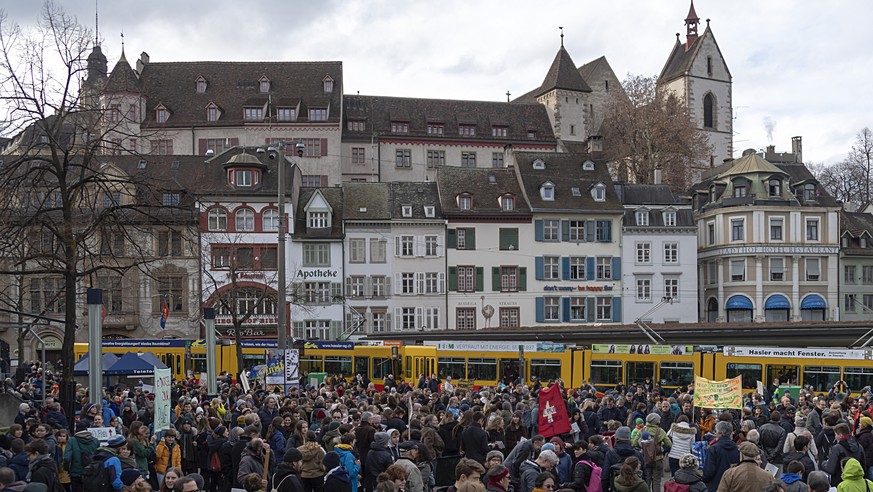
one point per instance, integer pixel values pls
(798, 353)
(163, 382)
(485, 346)
(292, 366)
(102, 434)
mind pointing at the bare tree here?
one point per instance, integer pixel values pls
(850, 180)
(646, 128)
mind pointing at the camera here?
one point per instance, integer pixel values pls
(300, 147)
(271, 153)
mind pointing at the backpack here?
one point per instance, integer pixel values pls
(672, 486)
(214, 462)
(609, 440)
(96, 476)
(594, 484)
(614, 472)
(276, 487)
(698, 449)
(649, 451)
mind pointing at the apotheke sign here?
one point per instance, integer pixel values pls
(306, 274)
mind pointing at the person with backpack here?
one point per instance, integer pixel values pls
(42, 467)
(653, 449)
(846, 447)
(103, 474)
(629, 477)
(586, 475)
(597, 449)
(682, 438)
(687, 478)
(616, 456)
(853, 478)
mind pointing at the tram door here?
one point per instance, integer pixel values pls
(509, 371)
(786, 374)
(420, 366)
(637, 372)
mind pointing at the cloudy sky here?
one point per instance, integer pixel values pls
(799, 67)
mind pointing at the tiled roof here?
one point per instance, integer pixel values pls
(123, 78)
(684, 218)
(562, 74)
(587, 70)
(334, 197)
(486, 186)
(856, 223)
(232, 86)
(565, 172)
(418, 195)
(647, 194)
(680, 59)
(367, 201)
(378, 112)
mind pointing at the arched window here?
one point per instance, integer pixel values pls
(775, 187)
(245, 220)
(217, 219)
(708, 111)
(270, 219)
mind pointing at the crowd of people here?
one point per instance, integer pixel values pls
(347, 435)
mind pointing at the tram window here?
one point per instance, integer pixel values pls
(199, 363)
(751, 374)
(252, 360)
(858, 377)
(407, 366)
(677, 373)
(821, 378)
(637, 372)
(362, 365)
(545, 369)
(786, 374)
(451, 367)
(381, 367)
(606, 372)
(485, 369)
(337, 365)
(310, 363)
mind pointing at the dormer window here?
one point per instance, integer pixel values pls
(774, 187)
(465, 201)
(406, 211)
(436, 129)
(467, 130)
(642, 217)
(200, 84)
(317, 114)
(328, 84)
(243, 177)
(670, 218)
(499, 131)
(539, 164)
(319, 220)
(588, 166)
(212, 112)
(531, 135)
(429, 211)
(253, 114)
(809, 191)
(507, 203)
(575, 191)
(863, 242)
(357, 125)
(171, 199)
(598, 192)
(286, 114)
(161, 114)
(740, 191)
(547, 191)
(399, 127)
(264, 84)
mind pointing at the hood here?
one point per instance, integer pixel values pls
(687, 476)
(42, 461)
(624, 488)
(381, 439)
(727, 444)
(851, 445)
(283, 469)
(527, 465)
(342, 449)
(852, 470)
(682, 428)
(310, 450)
(790, 478)
(624, 450)
(339, 473)
(84, 436)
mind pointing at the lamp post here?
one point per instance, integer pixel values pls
(278, 153)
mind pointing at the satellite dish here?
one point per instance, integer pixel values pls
(488, 311)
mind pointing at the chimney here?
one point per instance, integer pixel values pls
(657, 175)
(797, 149)
(595, 146)
(771, 149)
(142, 62)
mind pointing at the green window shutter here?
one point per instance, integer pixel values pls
(522, 279)
(453, 279)
(480, 279)
(471, 238)
(508, 239)
(451, 239)
(495, 279)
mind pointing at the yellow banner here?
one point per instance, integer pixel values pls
(718, 394)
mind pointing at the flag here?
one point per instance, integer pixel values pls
(552, 418)
(165, 313)
(103, 314)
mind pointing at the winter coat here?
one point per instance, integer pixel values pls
(286, 480)
(528, 475)
(450, 439)
(804, 459)
(414, 482)
(431, 438)
(167, 456)
(250, 463)
(564, 470)
(682, 437)
(277, 443)
(347, 460)
(581, 476)
(772, 442)
(719, 457)
(793, 483)
(598, 454)
(82, 443)
(660, 437)
(618, 454)
(378, 459)
(788, 447)
(846, 448)
(312, 456)
(236, 454)
(338, 480)
(20, 465)
(141, 452)
(745, 476)
(592, 419)
(474, 443)
(364, 439)
(637, 485)
(44, 470)
(853, 478)
(666, 419)
(865, 439)
(691, 478)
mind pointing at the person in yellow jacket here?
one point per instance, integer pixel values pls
(219, 407)
(168, 454)
(853, 478)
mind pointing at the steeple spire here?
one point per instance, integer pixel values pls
(691, 22)
(562, 35)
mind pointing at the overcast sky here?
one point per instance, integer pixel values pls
(802, 66)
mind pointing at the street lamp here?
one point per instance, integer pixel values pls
(278, 153)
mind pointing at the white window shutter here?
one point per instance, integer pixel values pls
(388, 321)
(441, 246)
(398, 283)
(348, 287)
(397, 249)
(419, 317)
(418, 245)
(441, 282)
(368, 323)
(368, 286)
(398, 318)
(336, 330)
(419, 282)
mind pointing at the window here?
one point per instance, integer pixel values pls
(644, 290)
(606, 371)
(497, 159)
(169, 243)
(644, 252)
(577, 309)
(171, 199)
(812, 229)
(212, 113)
(671, 289)
(432, 286)
(710, 232)
(738, 232)
(466, 279)
(867, 274)
(253, 114)
(47, 295)
(316, 254)
(407, 283)
(319, 220)
(217, 145)
(467, 130)
(599, 192)
(670, 219)
(380, 324)
(813, 272)
(547, 192)
(313, 181)
(671, 253)
(642, 217)
(774, 187)
(201, 85)
(868, 302)
(217, 219)
(245, 258)
(711, 272)
(405, 246)
(499, 131)
(429, 211)
(468, 159)
(113, 113)
(316, 292)
(161, 115)
(550, 267)
(740, 191)
(112, 244)
(264, 85)
(588, 166)
(357, 251)
(380, 286)
(507, 203)
(577, 230)
(603, 231)
(403, 157)
(319, 329)
(465, 202)
(604, 268)
(850, 303)
(738, 269)
(777, 269)
(508, 239)
(161, 147)
(171, 289)
(550, 229)
(328, 85)
(461, 239)
(509, 279)
(510, 317)
(378, 249)
(431, 246)
(809, 192)
(406, 210)
(220, 257)
(539, 164)
(551, 308)
(399, 127)
(317, 114)
(436, 129)
(604, 309)
(577, 268)
(357, 125)
(111, 199)
(358, 155)
(243, 177)
(245, 219)
(708, 110)
(776, 228)
(850, 274)
(436, 158)
(465, 319)
(531, 135)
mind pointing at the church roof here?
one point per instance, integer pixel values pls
(587, 71)
(563, 74)
(123, 78)
(680, 60)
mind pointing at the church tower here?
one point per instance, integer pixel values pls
(697, 73)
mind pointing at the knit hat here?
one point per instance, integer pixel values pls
(547, 447)
(799, 421)
(241, 420)
(220, 430)
(129, 476)
(407, 445)
(496, 473)
(866, 422)
(688, 460)
(493, 454)
(646, 436)
(638, 421)
(117, 442)
(557, 441)
(292, 455)
(331, 460)
(749, 449)
(653, 418)
(623, 434)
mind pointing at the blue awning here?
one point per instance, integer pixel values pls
(813, 302)
(738, 302)
(777, 302)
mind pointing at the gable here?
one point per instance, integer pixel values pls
(708, 50)
(317, 203)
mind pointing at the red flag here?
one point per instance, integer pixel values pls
(552, 418)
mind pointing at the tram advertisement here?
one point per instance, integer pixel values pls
(718, 394)
(643, 349)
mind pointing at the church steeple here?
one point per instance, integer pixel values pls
(691, 22)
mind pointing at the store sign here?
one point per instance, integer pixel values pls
(248, 332)
(52, 343)
(307, 274)
(772, 250)
(799, 353)
(643, 349)
(574, 288)
(498, 346)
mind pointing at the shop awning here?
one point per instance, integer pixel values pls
(738, 302)
(813, 302)
(777, 302)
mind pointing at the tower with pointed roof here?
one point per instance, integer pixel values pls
(697, 73)
(122, 105)
(565, 93)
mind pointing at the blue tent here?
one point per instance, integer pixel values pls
(152, 359)
(81, 368)
(131, 364)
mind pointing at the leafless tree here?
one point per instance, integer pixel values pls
(850, 180)
(646, 128)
